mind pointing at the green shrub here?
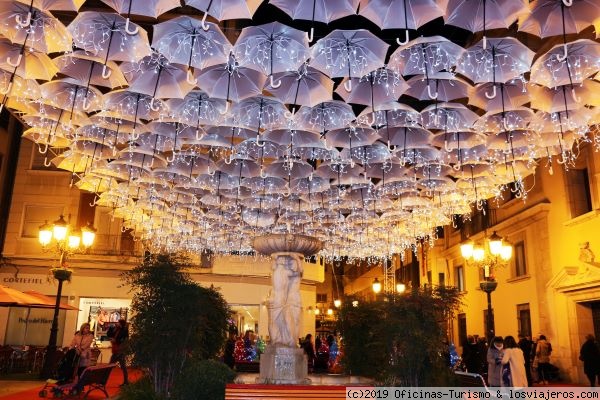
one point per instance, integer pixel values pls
(401, 341)
(203, 379)
(140, 390)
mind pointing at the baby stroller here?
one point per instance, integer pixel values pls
(66, 371)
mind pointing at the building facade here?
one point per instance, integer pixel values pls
(41, 194)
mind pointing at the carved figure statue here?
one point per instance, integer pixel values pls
(284, 302)
(585, 253)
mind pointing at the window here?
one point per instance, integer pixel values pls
(520, 259)
(321, 297)
(524, 319)
(35, 215)
(578, 187)
(442, 279)
(462, 328)
(459, 278)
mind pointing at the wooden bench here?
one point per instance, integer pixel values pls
(468, 379)
(283, 392)
(95, 378)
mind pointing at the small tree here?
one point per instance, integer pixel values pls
(402, 341)
(174, 319)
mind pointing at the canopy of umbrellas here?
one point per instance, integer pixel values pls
(199, 143)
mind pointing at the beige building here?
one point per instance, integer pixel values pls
(42, 194)
(552, 284)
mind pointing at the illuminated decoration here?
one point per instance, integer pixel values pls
(63, 241)
(493, 253)
(201, 144)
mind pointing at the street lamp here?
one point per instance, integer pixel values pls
(59, 239)
(376, 286)
(492, 254)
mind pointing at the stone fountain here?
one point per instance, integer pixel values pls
(283, 362)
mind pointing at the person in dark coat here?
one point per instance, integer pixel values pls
(309, 349)
(525, 344)
(590, 355)
(117, 339)
(228, 356)
(470, 355)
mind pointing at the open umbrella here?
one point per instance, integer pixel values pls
(374, 89)
(43, 32)
(87, 70)
(316, 10)
(559, 17)
(401, 14)
(230, 81)
(502, 60)
(68, 94)
(509, 95)
(183, 41)
(565, 98)
(155, 76)
(481, 15)
(105, 36)
(425, 55)
(325, 116)
(271, 48)
(441, 86)
(348, 53)
(304, 87)
(582, 60)
(224, 9)
(30, 64)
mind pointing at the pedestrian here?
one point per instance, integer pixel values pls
(590, 355)
(118, 337)
(309, 350)
(513, 365)
(543, 351)
(494, 360)
(82, 343)
(470, 355)
(525, 344)
(228, 356)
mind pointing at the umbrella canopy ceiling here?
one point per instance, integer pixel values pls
(334, 118)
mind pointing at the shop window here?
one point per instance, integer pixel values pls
(102, 313)
(321, 297)
(462, 328)
(519, 259)
(524, 319)
(36, 215)
(578, 187)
(30, 326)
(459, 278)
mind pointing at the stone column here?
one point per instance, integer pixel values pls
(283, 362)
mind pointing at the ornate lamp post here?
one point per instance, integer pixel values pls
(59, 239)
(492, 254)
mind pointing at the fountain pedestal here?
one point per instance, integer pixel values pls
(283, 365)
(283, 362)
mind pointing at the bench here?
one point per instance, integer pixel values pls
(468, 379)
(95, 378)
(283, 392)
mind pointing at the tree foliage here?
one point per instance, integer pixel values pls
(174, 319)
(400, 341)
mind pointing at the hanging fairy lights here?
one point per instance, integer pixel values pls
(198, 144)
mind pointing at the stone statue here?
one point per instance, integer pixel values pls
(284, 302)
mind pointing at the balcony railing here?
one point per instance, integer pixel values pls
(117, 245)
